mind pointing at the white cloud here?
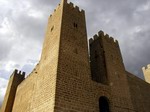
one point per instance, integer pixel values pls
(35, 13)
(144, 7)
(3, 85)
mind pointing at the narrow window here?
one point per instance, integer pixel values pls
(52, 28)
(75, 25)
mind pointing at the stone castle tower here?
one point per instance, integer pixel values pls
(15, 79)
(146, 72)
(67, 79)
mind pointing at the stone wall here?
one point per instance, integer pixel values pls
(37, 92)
(139, 91)
(117, 79)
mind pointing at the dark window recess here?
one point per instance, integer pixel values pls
(103, 104)
(98, 67)
(75, 25)
(52, 28)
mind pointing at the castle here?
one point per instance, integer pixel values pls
(69, 79)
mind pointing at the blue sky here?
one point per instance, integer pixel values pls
(23, 25)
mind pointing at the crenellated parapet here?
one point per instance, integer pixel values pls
(146, 68)
(146, 73)
(76, 8)
(18, 73)
(104, 37)
(58, 7)
(70, 4)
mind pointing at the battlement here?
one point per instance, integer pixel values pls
(71, 5)
(55, 9)
(146, 68)
(19, 73)
(103, 36)
(75, 7)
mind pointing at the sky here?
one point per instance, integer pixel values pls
(23, 25)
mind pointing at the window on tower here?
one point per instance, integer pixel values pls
(75, 25)
(52, 28)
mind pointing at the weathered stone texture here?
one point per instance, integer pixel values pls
(116, 76)
(67, 79)
(15, 79)
(139, 91)
(37, 92)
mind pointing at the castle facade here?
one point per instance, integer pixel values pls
(69, 78)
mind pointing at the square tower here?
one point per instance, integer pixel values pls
(107, 68)
(59, 82)
(15, 79)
